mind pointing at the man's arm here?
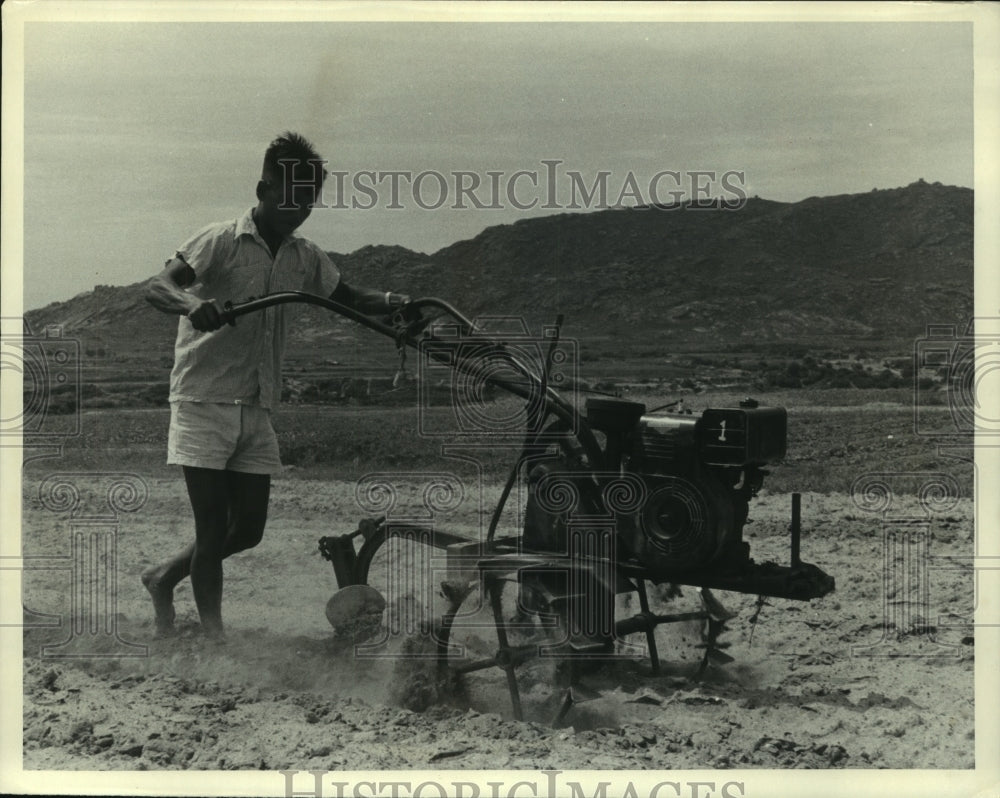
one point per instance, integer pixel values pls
(166, 293)
(368, 300)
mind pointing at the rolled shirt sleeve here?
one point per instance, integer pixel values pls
(324, 276)
(208, 248)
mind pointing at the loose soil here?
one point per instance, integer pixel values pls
(870, 676)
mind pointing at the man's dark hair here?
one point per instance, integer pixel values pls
(306, 162)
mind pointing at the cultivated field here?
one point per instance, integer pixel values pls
(878, 674)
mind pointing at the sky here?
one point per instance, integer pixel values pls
(137, 134)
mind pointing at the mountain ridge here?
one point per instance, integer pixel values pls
(875, 267)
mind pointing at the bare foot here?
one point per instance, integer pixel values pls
(216, 639)
(163, 602)
(213, 632)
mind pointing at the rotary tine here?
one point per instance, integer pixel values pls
(717, 617)
(575, 694)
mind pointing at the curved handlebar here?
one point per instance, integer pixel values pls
(232, 311)
(405, 333)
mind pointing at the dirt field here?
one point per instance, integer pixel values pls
(878, 674)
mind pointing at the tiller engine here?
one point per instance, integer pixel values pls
(617, 497)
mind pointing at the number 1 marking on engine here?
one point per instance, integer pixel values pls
(722, 432)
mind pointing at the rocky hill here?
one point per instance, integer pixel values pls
(877, 266)
(833, 272)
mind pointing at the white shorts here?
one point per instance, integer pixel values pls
(226, 437)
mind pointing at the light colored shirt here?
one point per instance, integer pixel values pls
(242, 364)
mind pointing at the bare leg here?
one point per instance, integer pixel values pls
(238, 498)
(209, 501)
(160, 582)
(248, 496)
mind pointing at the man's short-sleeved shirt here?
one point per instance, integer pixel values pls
(242, 363)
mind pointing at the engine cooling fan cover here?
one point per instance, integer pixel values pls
(686, 522)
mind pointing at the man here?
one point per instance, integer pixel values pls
(226, 380)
